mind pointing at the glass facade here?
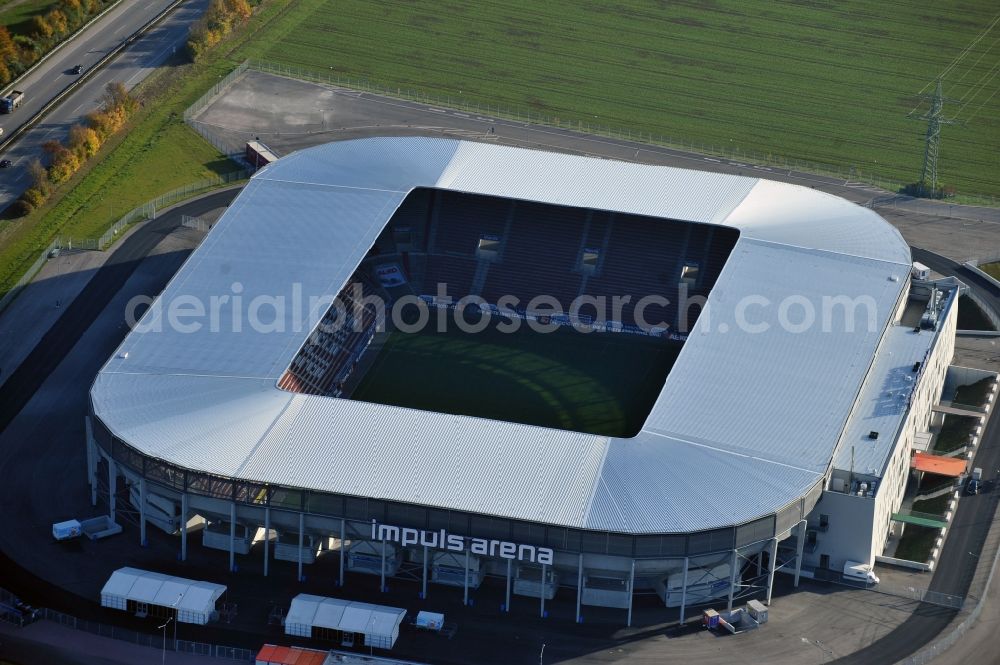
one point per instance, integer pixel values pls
(361, 511)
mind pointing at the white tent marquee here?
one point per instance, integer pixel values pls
(137, 590)
(379, 624)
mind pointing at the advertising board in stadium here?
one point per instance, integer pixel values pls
(454, 543)
(390, 274)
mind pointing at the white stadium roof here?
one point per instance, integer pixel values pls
(747, 422)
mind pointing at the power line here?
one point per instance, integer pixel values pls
(958, 58)
(978, 60)
(980, 107)
(932, 139)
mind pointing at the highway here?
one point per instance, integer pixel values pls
(87, 48)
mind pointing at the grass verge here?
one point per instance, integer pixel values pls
(825, 83)
(954, 433)
(155, 153)
(936, 506)
(973, 394)
(991, 269)
(916, 543)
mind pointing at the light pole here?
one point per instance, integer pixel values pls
(163, 658)
(541, 653)
(176, 617)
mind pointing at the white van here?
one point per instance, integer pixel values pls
(855, 570)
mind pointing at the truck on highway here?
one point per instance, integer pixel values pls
(11, 101)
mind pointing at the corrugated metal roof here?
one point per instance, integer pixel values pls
(885, 398)
(757, 414)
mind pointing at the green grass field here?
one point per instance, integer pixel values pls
(596, 383)
(17, 14)
(991, 269)
(825, 82)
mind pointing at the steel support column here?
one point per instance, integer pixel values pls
(91, 461)
(465, 582)
(184, 526)
(799, 545)
(423, 584)
(684, 588)
(541, 595)
(142, 512)
(772, 556)
(732, 580)
(232, 537)
(267, 539)
(381, 571)
(343, 549)
(579, 586)
(112, 487)
(631, 586)
(506, 606)
(302, 537)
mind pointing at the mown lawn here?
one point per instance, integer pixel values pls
(16, 15)
(954, 433)
(991, 269)
(825, 82)
(916, 543)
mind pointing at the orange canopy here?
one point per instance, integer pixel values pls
(275, 655)
(953, 467)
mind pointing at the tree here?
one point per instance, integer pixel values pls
(83, 141)
(41, 28)
(8, 49)
(39, 176)
(58, 21)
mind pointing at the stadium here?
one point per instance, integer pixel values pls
(433, 359)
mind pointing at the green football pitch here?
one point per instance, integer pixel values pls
(599, 383)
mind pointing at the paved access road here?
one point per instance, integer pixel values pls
(80, 314)
(54, 75)
(971, 523)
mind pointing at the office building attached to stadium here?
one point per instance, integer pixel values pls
(780, 438)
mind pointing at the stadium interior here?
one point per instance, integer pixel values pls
(501, 255)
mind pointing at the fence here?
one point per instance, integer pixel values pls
(214, 91)
(148, 210)
(196, 223)
(28, 275)
(733, 153)
(153, 641)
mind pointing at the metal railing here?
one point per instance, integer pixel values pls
(151, 640)
(214, 91)
(28, 275)
(754, 158)
(196, 223)
(148, 210)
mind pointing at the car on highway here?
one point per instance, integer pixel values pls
(5, 164)
(1, 131)
(972, 487)
(78, 69)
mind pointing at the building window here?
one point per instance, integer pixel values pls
(589, 260)
(689, 273)
(488, 247)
